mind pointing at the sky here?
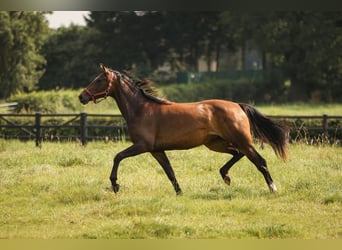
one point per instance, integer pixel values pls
(65, 18)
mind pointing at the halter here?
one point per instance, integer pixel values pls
(105, 93)
(95, 96)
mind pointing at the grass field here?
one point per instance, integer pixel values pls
(62, 191)
(301, 109)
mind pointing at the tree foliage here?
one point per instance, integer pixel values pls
(149, 39)
(128, 39)
(300, 48)
(72, 60)
(305, 46)
(22, 34)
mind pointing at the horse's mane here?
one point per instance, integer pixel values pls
(145, 86)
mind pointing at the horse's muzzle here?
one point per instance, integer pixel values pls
(84, 98)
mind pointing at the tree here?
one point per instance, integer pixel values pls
(150, 38)
(181, 33)
(128, 39)
(22, 35)
(312, 57)
(72, 57)
(304, 45)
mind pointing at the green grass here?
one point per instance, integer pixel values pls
(301, 109)
(62, 191)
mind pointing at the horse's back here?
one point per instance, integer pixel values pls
(210, 111)
(218, 103)
(226, 110)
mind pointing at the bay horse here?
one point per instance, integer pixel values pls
(156, 124)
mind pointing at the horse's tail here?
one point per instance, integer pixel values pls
(267, 131)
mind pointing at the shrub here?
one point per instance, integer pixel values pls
(53, 101)
(241, 90)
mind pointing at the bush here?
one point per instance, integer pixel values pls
(52, 101)
(242, 90)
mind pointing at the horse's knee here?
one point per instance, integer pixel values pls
(117, 159)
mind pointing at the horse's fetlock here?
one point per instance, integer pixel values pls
(116, 188)
(223, 172)
(227, 180)
(179, 191)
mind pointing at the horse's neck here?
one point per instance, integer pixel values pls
(128, 100)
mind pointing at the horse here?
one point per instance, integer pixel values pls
(156, 125)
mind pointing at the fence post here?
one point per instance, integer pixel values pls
(325, 124)
(83, 128)
(38, 117)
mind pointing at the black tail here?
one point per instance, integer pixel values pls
(267, 130)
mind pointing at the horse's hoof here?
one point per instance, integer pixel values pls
(226, 179)
(179, 192)
(273, 188)
(116, 188)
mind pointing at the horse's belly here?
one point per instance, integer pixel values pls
(181, 140)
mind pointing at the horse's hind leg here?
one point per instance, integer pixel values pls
(219, 145)
(224, 170)
(165, 163)
(261, 165)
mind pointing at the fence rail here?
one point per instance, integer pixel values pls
(48, 126)
(85, 127)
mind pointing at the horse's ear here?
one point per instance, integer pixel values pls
(102, 67)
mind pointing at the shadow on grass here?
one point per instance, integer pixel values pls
(228, 193)
(281, 231)
(142, 230)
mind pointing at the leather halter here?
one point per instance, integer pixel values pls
(100, 94)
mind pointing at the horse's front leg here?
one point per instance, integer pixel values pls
(133, 150)
(165, 163)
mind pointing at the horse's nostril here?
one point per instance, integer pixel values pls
(83, 98)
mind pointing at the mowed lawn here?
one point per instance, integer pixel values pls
(62, 190)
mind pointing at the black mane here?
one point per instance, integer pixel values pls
(145, 86)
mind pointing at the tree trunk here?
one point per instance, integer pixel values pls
(217, 57)
(243, 55)
(263, 60)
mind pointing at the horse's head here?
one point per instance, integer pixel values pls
(100, 87)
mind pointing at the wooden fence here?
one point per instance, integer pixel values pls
(324, 128)
(50, 127)
(85, 127)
